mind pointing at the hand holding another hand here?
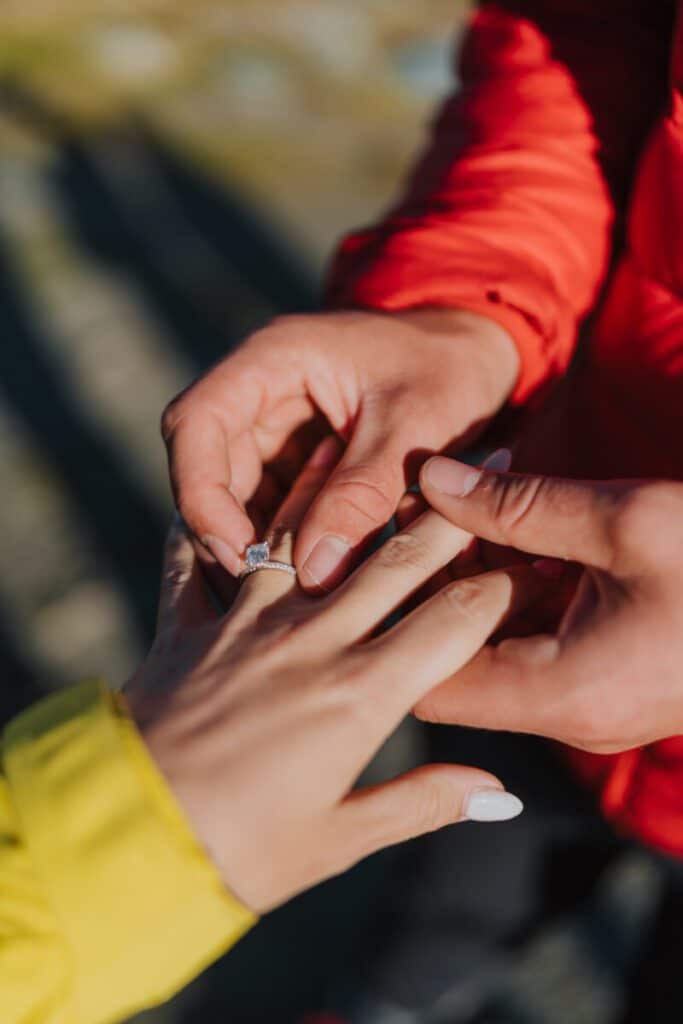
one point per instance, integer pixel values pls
(394, 387)
(263, 719)
(611, 678)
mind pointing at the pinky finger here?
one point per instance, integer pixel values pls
(424, 800)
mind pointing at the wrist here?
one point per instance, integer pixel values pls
(164, 735)
(481, 346)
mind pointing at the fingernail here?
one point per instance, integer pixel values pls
(498, 461)
(223, 553)
(451, 477)
(550, 568)
(492, 805)
(325, 561)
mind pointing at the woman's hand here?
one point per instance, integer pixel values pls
(263, 719)
(610, 678)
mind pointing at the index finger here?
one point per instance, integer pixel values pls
(199, 466)
(264, 586)
(561, 518)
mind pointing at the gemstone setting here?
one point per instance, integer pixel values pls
(257, 554)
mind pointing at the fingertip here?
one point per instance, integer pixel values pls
(441, 475)
(220, 524)
(224, 553)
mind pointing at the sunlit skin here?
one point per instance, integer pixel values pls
(262, 719)
(609, 678)
(394, 388)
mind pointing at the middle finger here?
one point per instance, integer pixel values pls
(268, 585)
(390, 575)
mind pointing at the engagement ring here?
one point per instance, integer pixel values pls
(258, 557)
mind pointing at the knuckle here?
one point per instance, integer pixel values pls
(469, 597)
(171, 416)
(367, 496)
(514, 499)
(404, 551)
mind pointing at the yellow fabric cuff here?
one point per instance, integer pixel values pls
(140, 903)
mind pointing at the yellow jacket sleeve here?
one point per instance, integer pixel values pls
(108, 904)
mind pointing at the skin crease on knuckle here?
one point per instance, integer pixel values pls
(430, 811)
(404, 551)
(514, 499)
(474, 599)
(169, 418)
(368, 498)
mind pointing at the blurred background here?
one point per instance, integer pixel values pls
(171, 175)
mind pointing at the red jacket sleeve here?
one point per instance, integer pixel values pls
(510, 212)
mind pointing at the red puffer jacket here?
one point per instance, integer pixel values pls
(553, 188)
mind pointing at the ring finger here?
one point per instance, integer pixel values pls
(268, 585)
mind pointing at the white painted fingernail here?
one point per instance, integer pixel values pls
(498, 461)
(492, 805)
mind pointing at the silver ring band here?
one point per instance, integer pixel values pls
(282, 566)
(258, 558)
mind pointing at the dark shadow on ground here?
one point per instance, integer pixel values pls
(209, 268)
(19, 674)
(206, 267)
(284, 967)
(126, 527)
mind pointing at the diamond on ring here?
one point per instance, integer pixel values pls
(257, 556)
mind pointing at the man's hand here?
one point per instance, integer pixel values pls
(394, 387)
(612, 677)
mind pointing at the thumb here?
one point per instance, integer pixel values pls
(423, 800)
(572, 519)
(359, 498)
(183, 600)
